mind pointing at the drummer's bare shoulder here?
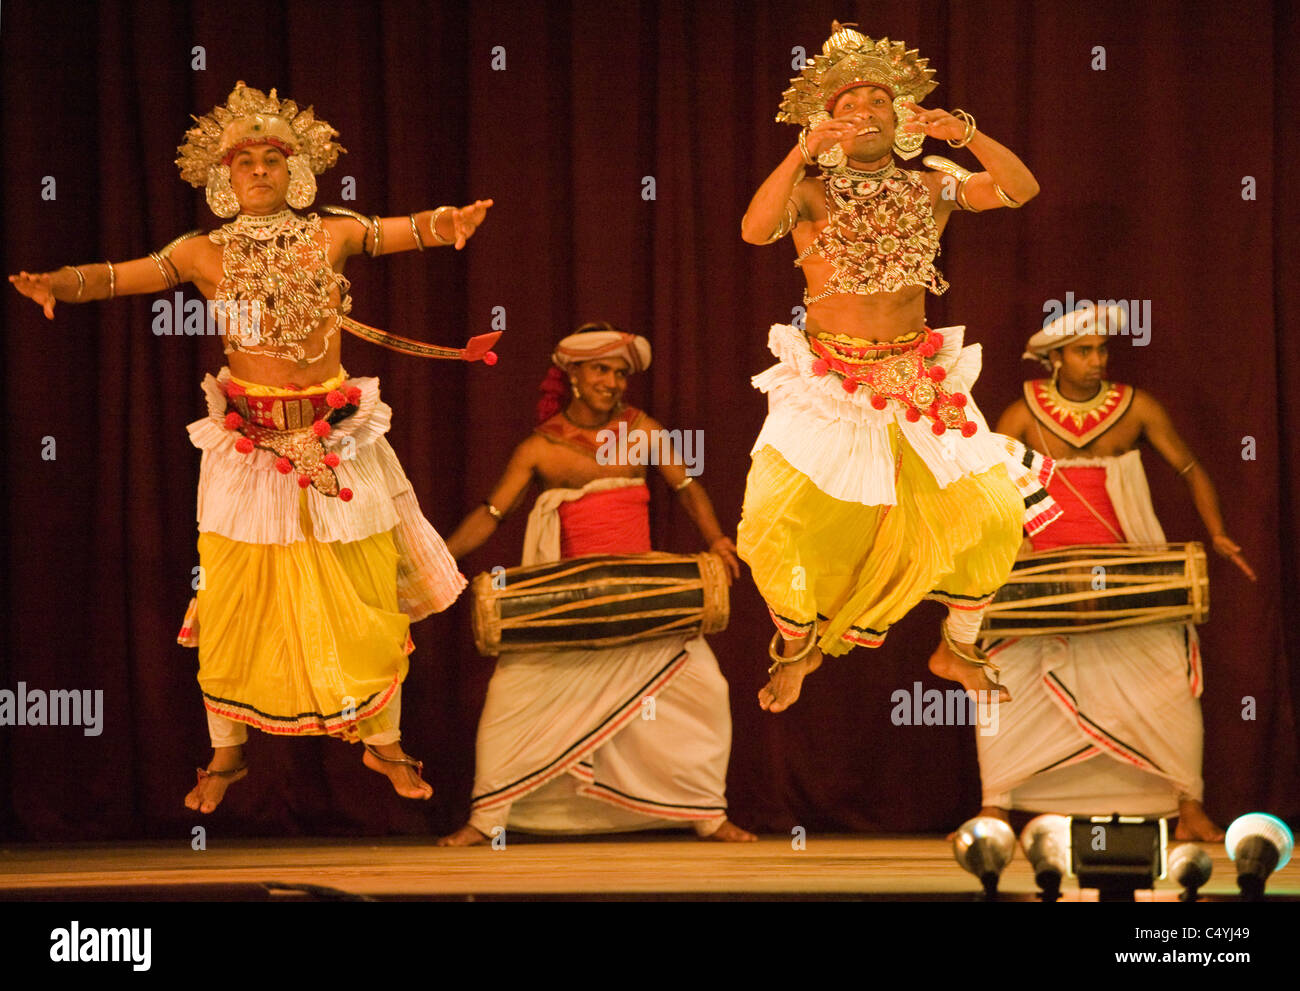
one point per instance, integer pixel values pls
(1146, 407)
(528, 454)
(1015, 421)
(667, 456)
(1157, 429)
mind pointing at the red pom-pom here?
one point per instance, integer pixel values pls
(233, 390)
(879, 402)
(958, 400)
(936, 340)
(332, 459)
(335, 399)
(283, 465)
(321, 428)
(913, 414)
(938, 373)
(490, 358)
(938, 428)
(850, 385)
(821, 366)
(345, 495)
(304, 481)
(354, 395)
(244, 445)
(968, 428)
(926, 350)
(234, 421)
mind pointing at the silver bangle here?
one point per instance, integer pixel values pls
(1006, 200)
(685, 482)
(969, 121)
(81, 282)
(803, 148)
(112, 280)
(433, 225)
(495, 513)
(168, 278)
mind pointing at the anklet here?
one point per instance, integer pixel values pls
(778, 660)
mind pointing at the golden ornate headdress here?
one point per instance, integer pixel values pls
(849, 58)
(250, 116)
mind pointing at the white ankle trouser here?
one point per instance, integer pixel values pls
(964, 624)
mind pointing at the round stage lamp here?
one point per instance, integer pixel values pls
(1046, 842)
(1191, 867)
(1260, 844)
(984, 846)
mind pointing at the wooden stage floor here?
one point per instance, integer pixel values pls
(651, 867)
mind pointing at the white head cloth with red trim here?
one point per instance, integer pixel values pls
(577, 348)
(1083, 321)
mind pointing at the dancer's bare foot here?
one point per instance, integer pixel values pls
(992, 812)
(225, 768)
(729, 832)
(1195, 824)
(783, 687)
(467, 835)
(945, 663)
(403, 771)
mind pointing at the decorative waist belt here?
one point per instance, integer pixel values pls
(896, 370)
(293, 426)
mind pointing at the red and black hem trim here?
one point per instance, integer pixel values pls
(342, 723)
(571, 759)
(1094, 731)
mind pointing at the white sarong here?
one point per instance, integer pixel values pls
(1129, 695)
(590, 741)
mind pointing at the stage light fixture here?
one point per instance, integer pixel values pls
(1191, 867)
(1046, 842)
(984, 846)
(1117, 854)
(1260, 844)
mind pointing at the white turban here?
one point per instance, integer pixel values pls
(1083, 321)
(577, 348)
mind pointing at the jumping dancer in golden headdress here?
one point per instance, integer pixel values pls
(875, 481)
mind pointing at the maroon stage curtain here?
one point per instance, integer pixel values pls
(1142, 166)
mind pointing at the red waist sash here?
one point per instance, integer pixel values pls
(1077, 525)
(615, 521)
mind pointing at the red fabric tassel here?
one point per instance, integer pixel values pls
(554, 388)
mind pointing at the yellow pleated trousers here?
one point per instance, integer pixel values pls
(856, 569)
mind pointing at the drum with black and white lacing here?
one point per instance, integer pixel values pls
(1094, 587)
(600, 601)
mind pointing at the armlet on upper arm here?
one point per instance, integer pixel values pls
(168, 271)
(371, 224)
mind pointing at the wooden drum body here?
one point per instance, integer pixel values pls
(1096, 587)
(599, 601)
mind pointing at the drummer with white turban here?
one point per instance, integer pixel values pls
(1110, 721)
(631, 737)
